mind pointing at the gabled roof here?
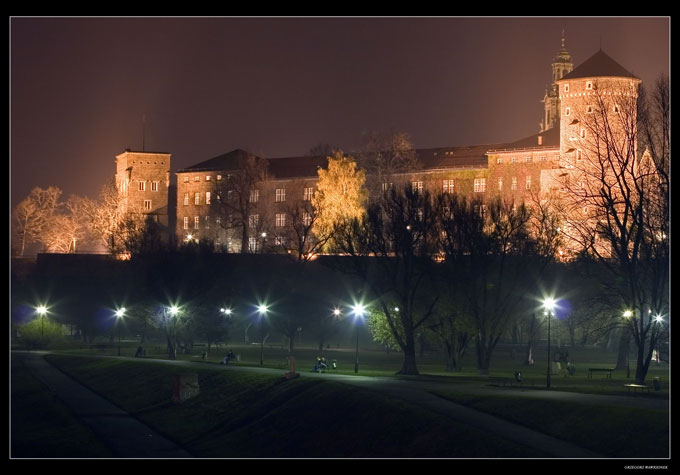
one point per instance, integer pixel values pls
(226, 161)
(296, 167)
(549, 139)
(453, 157)
(598, 65)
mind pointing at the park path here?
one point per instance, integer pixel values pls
(130, 438)
(126, 436)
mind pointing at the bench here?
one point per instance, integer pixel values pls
(635, 387)
(593, 370)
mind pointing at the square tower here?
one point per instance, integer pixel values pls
(143, 180)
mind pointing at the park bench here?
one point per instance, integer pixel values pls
(636, 387)
(593, 370)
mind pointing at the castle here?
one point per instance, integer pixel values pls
(516, 171)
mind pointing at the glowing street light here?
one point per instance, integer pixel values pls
(262, 309)
(227, 311)
(336, 312)
(120, 313)
(41, 310)
(359, 311)
(549, 305)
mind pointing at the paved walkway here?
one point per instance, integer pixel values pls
(130, 438)
(126, 436)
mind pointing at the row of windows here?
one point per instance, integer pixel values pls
(253, 221)
(141, 185)
(253, 198)
(513, 183)
(590, 110)
(528, 159)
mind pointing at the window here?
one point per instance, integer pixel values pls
(141, 185)
(207, 178)
(567, 110)
(280, 220)
(514, 160)
(543, 158)
(616, 109)
(528, 159)
(207, 222)
(589, 109)
(589, 85)
(197, 198)
(147, 205)
(499, 161)
(280, 195)
(306, 218)
(186, 179)
(566, 88)
(448, 186)
(253, 220)
(528, 183)
(500, 184)
(417, 186)
(154, 186)
(583, 133)
(207, 197)
(185, 223)
(219, 177)
(308, 193)
(230, 195)
(254, 196)
(186, 199)
(280, 241)
(386, 186)
(197, 178)
(579, 156)
(513, 186)
(480, 185)
(197, 220)
(253, 244)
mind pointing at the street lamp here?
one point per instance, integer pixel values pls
(627, 315)
(358, 310)
(262, 310)
(549, 305)
(41, 310)
(120, 313)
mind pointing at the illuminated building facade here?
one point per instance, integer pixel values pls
(519, 171)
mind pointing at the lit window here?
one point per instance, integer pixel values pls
(528, 160)
(197, 178)
(280, 195)
(207, 197)
(253, 244)
(386, 186)
(186, 199)
(417, 186)
(448, 186)
(514, 160)
(253, 220)
(154, 186)
(513, 186)
(186, 179)
(147, 205)
(197, 198)
(185, 223)
(480, 185)
(280, 220)
(280, 241)
(308, 193)
(142, 185)
(306, 218)
(500, 184)
(219, 177)
(528, 183)
(207, 178)
(254, 196)
(197, 220)
(499, 161)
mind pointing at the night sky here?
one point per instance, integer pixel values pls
(279, 86)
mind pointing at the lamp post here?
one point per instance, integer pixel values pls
(359, 312)
(262, 310)
(120, 313)
(173, 310)
(41, 310)
(627, 315)
(549, 305)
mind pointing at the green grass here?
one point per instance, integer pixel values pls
(613, 431)
(239, 414)
(43, 427)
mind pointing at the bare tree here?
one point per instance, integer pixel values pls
(33, 215)
(387, 156)
(617, 204)
(237, 197)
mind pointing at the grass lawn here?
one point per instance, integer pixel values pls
(42, 427)
(245, 415)
(613, 431)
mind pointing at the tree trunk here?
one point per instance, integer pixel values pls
(409, 364)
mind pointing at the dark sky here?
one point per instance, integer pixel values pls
(278, 86)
